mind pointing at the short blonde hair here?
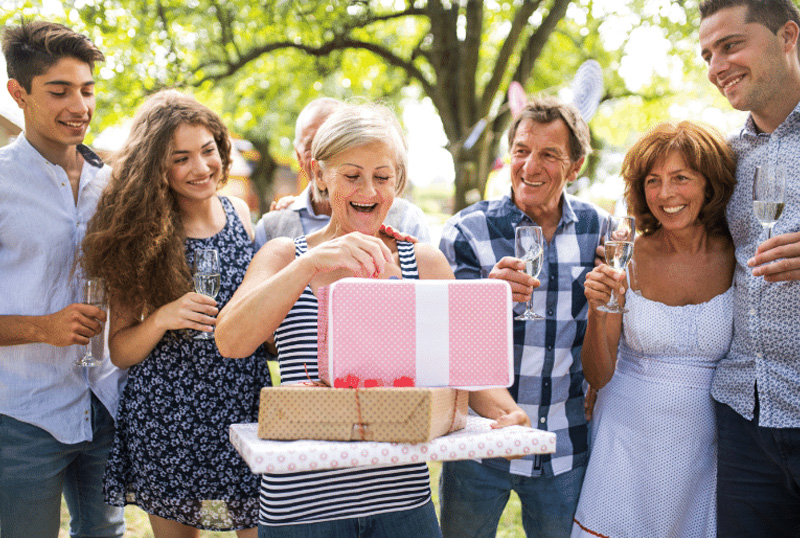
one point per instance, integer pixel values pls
(352, 126)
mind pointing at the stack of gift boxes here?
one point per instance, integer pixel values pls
(397, 359)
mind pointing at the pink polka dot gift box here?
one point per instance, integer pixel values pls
(476, 440)
(417, 333)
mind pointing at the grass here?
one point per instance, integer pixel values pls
(138, 525)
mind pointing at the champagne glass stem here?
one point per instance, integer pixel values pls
(612, 301)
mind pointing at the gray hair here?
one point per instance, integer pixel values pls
(321, 107)
(352, 126)
(549, 109)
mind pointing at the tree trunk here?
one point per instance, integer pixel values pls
(467, 184)
(263, 175)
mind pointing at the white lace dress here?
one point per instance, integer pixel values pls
(652, 469)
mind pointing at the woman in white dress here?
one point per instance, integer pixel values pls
(652, 469)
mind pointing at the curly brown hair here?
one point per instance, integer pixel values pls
(135, 240)
(704, 150)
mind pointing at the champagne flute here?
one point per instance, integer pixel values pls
(94, 293)
(769, 196)
(618, 246)
(206, 279)
(529, 247)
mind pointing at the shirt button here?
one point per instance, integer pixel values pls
(752, 311)
(549, 348)
(760, 355)
(552, 277)
(549, 312)
(542, 420)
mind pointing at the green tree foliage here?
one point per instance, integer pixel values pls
(260, 61)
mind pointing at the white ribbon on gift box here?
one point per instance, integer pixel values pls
(433, 335)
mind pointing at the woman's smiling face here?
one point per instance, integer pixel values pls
(675, 193)
(361, 184)
(195, 164)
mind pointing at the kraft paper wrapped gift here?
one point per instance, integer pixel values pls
(421, 333)
(390, 414)
(476, 440)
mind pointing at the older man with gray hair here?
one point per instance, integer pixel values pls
(548, 142)
(309, 211)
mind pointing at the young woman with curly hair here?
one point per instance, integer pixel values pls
(171, 454)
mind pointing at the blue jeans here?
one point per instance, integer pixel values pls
(473, 497)
(758, 478)
(416, 523)
(35, 469)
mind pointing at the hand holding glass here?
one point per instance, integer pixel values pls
(619, 250)
(769, 195)
(529, 247)
(206, 278)
(94, 293)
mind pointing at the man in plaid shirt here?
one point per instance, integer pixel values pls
(548, 142)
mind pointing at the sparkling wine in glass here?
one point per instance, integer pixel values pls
(529, 247)
(94, 293)
(769, 196)
(618, 250)
(206, 279)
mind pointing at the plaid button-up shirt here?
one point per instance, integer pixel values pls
(548, 382)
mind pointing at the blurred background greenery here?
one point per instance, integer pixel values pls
(444, 65)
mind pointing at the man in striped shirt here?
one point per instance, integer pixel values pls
(548, 143)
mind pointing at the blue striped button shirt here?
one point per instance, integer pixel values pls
(548, 382)
(765, 351)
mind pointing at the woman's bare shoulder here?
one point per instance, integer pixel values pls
(431, 263)
(278, 251)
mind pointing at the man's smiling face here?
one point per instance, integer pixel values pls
(60, 105)
(541, 165)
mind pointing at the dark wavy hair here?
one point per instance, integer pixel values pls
(135, 241)
(704, 150)
(33, 47)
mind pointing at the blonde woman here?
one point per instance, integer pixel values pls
(359, 163)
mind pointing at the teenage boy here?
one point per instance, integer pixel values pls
(750, 47)
(56, 424)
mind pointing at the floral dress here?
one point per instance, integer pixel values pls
(171, 454)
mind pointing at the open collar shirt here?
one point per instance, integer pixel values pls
(41, 229)
(765, 353)
(310, 221)
(548, 377)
